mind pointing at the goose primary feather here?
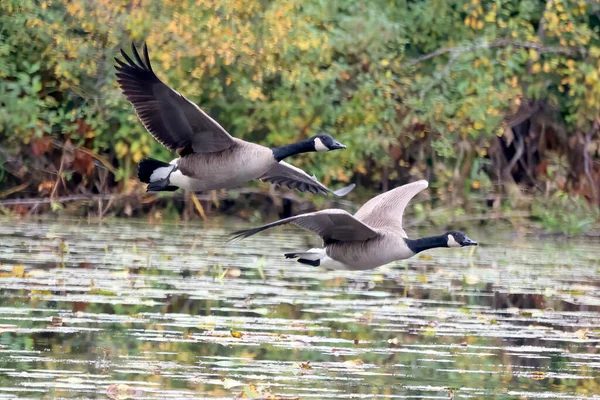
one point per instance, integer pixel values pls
(368, 239)
(209, 157)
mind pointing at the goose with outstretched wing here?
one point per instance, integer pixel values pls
(209, 157)
(368, 239)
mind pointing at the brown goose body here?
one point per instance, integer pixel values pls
(210, 158)
(223, 169)
(368, 239)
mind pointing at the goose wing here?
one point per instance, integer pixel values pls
(293, 177)
(177, 123)
(331, 225)
(385, 210)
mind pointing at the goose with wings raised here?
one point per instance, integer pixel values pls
(368, 239)
(209, 157)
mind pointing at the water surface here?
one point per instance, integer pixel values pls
(128, 310)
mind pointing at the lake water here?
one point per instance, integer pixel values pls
(129, 310)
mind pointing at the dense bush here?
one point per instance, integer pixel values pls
(415, 89)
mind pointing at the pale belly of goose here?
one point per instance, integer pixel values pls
(226, 169)
(365, 255)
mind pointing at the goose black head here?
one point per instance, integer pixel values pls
(459, 239)
(325, 142)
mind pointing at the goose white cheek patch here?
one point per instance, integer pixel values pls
(319, 146)
(452, 242)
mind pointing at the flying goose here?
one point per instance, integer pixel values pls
(368, 239)
(209, 157)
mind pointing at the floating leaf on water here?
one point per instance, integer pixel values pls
(260, 311)
(305, 365)
(582, 334)
(122, 392)
(357, 363)
(526, 314)
(230, 383)
(538, 375)
(365, 318)
(429, 331)
(18, 270)
(208, 324)
(301, 367)
(234, 273)
(8, 328)
(252, 392)
(471, 279)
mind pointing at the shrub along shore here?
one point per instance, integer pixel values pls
(497, 104)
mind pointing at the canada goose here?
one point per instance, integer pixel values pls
(209, 157)
(368, 239)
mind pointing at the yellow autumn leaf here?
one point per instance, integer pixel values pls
(535, 68)
(538, 375)
(230, 383)
(304, 365)
(18, 270)
(546, 67)
(357, 363)
(236, 334)
(582, 334)
(534, 55)
(478, 125)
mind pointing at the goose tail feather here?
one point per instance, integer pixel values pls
(311, 257)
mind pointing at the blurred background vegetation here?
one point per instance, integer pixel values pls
(496, 103)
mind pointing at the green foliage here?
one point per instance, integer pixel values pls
(413, 88)
(565, 214)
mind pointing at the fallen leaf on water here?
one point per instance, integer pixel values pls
(471, 279)
(56, 322)
(236, 334)
(357, 363)
(252, 392)
(234, 273)
(305, 365)
(582, 334)
(18, 270)
(538, 375)
(8, 328)
(299, 368)
(208, 324)
(230, 383)
(365, 318)
(121, 392)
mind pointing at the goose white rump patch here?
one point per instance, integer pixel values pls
(161, 173)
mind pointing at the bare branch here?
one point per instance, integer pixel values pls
(571, 51)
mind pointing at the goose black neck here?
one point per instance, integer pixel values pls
(282, 152)
(426, 243)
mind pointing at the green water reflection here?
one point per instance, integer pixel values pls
(155, 309)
